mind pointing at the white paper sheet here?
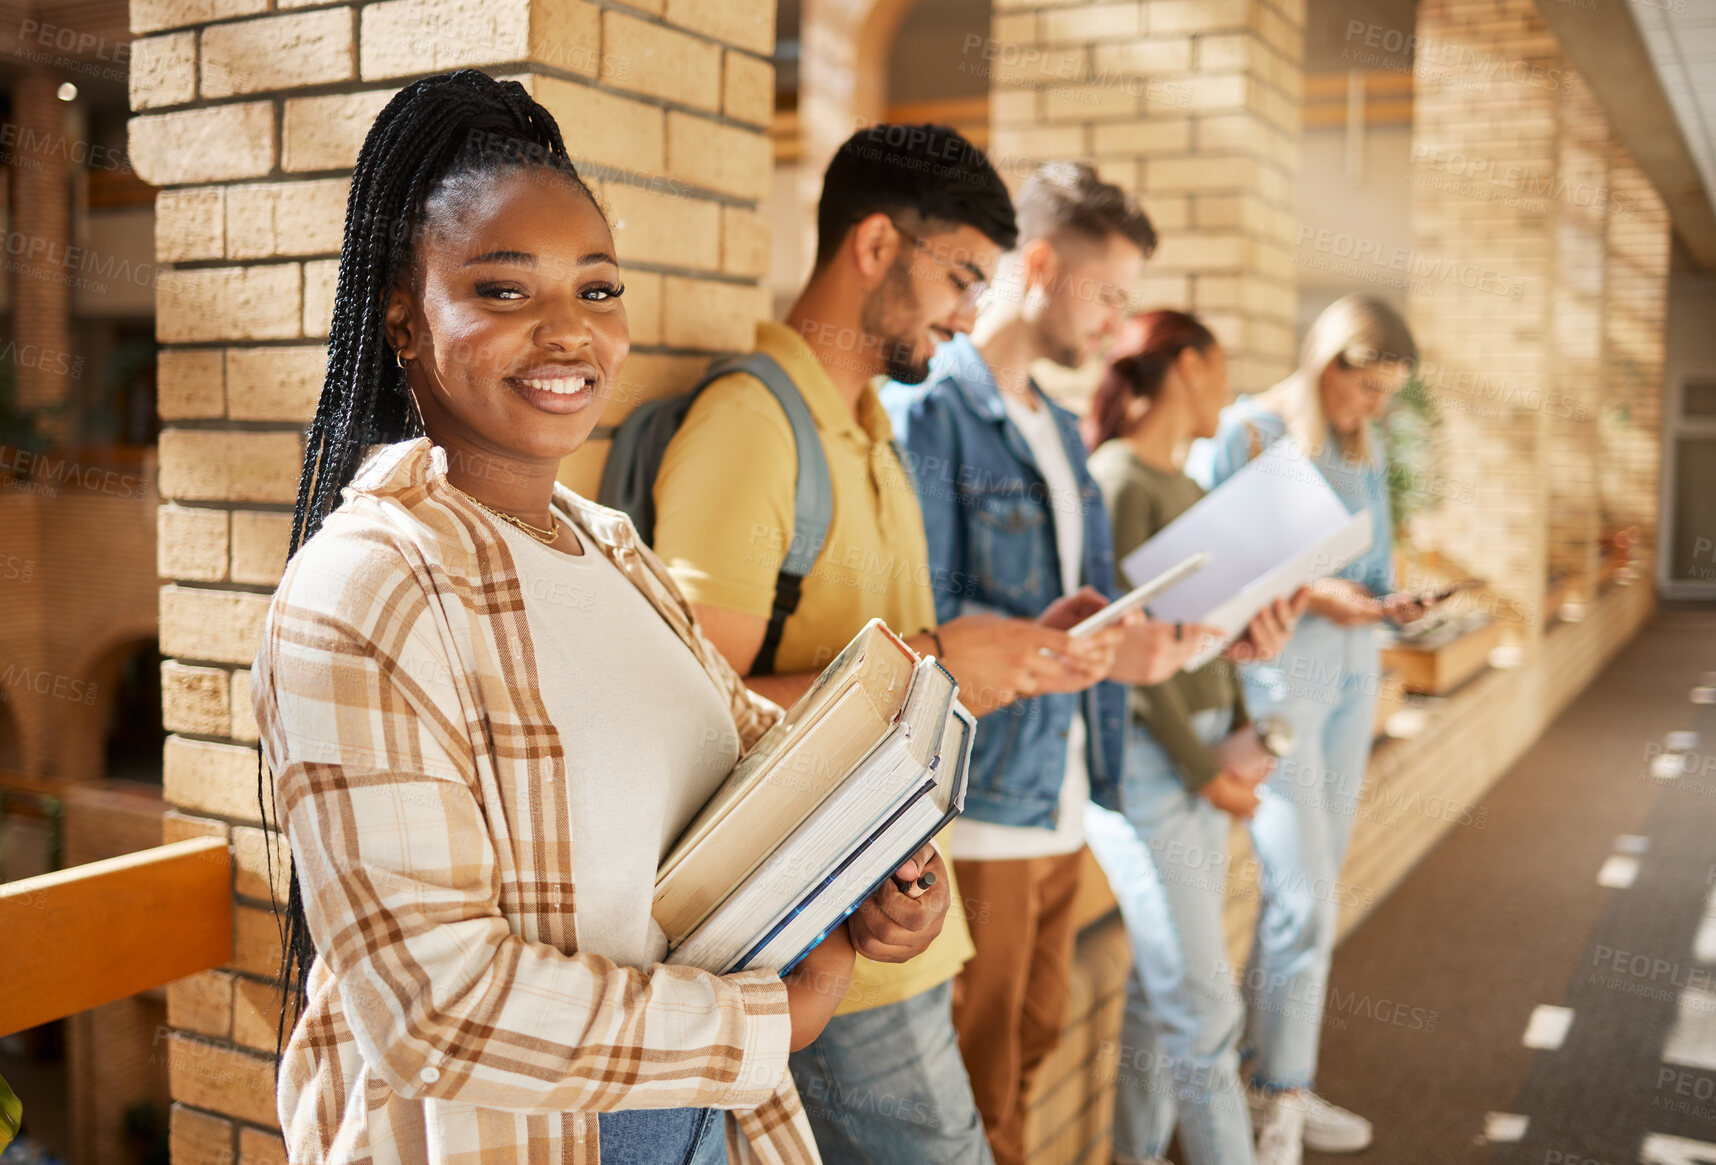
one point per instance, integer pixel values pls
(1269, 529)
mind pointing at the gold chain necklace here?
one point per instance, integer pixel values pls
(546, 537)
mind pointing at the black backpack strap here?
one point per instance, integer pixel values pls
(789, 589)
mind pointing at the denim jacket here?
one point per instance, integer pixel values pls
(987, 515)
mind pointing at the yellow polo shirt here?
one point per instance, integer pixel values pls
(724, 507)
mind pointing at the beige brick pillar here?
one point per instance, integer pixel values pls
(843, 84)
(41, 222)
(1580, 202)
(1488, 90)
(1193, 105)
(250, 121)
(1634, 322)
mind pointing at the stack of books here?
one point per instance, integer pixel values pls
(854, 779)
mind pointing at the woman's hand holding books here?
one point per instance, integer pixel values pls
(893, 926)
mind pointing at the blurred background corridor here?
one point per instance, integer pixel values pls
(1527, 970)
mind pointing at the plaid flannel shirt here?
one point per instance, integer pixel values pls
(423, 791)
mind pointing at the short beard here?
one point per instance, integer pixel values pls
(1069, 356)
(888, 318)
(1061, 352)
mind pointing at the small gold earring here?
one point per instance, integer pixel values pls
(399, 360)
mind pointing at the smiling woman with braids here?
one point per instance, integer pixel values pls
(487, 709)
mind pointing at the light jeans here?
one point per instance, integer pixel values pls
(1166, 859)
(886, 1086)
(1325, 685)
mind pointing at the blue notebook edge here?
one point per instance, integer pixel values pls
(810, 896)
(956, 804)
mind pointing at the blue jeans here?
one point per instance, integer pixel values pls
(886, 1086)
(1325, 685)
(663, 1136)
(1166, 859)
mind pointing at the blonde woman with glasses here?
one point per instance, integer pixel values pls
(1356, 356)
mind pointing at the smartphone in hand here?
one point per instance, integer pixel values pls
(1138, 596)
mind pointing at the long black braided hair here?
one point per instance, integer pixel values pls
(434, 136)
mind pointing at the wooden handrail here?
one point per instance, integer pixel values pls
(81, 937)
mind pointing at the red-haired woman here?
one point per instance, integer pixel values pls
(1193, 761)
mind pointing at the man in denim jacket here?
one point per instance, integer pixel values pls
(1014, 521)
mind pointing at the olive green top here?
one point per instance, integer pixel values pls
(1141, 500)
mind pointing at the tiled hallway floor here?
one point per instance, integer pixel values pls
(1542, 989)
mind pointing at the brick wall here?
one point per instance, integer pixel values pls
(1576, 341)
(1071, 1113)
(1633, 327)
(250, 121)
(842, 84)
(1193, 105)
(77, 572)
(1542, 255)
(1488, 96)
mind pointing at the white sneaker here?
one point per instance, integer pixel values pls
(1328, 1128)
(1280, 1130)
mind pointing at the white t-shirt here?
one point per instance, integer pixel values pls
(976, 841)
(647, 737)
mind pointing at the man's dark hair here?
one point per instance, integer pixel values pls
(1062, 197)
(928, 170)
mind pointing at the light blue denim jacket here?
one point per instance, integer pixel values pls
(988, 519)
